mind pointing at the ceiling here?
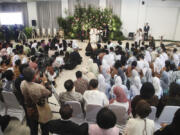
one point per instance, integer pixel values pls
(56, 0)
(24, 0)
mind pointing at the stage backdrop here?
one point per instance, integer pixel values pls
(90, 17)
(16, 7)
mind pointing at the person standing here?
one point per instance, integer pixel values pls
(33, 94)
(146, 31)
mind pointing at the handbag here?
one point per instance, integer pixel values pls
(44, 113)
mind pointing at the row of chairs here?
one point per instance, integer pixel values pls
(166, 115)
(91, 111)
(120, 112)
(11, 106)
(46, 32)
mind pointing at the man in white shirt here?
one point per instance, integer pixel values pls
(34, 45)
(94, 96)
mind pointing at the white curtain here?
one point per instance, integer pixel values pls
(48, 13)
(115, 5)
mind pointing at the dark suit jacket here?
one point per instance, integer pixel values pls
(66, 127)
(146, 29)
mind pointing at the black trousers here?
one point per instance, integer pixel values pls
(33, 125)
(145, 36)
(4, 121)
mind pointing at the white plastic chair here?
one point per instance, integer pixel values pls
(77, 110)
(49, 32)
(78, 115)
(91, 112)
(54, 32)
(167, 114)
(38, 32)
(2, 109)
(55, 94)
(152, 115)
(120, 113)
(13, 108)
(43, 32)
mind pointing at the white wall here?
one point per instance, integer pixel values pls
(163, 17)
(32, 12)
(162, 21)
(102, 4)
(177, 32)
(129, 15)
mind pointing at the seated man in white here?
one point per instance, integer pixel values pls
(94, 96)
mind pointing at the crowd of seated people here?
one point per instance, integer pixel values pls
(134, 77)
(28, 71)
(126, 76)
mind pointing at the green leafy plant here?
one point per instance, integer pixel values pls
(87, 18)
(28, 31)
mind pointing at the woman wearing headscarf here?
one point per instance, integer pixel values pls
(147, 56)
(134, 74)
(103, 86)
(105, 70)
(135, 87)
(120, 99)
(118, 82)
(92, 67)
(148, 76)
(157, 86)
(164, 82)
(157, 64)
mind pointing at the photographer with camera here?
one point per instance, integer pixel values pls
(35, 96)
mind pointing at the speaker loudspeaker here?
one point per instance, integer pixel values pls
(33, 22)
